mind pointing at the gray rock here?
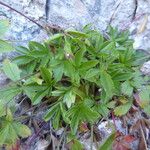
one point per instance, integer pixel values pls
(3, 80)
(145, 69)
(76, 13)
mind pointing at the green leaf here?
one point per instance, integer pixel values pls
(126, 88)
(107, 83)
(51, 112)
(58, 72)
(67, 47)
(4, 26)
(5, 46)
(76, 145)
(122, 109)
(55, 37)
(74, 123)
(11, 70)
(21, 130)
(8, 134)
(89, 64)
(107, 145)
(23, 60)
(144, 96)
(39, 96)
(9, 93)
(69, 98)
(46, 75)
(78, 56)
(56, 120)
(76, 33)
(92, 73)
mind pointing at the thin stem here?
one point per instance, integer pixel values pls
(1, 3)
(46, 28)
(113, 118)
(92, 135)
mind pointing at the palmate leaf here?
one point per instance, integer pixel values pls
(4, 26)
(69, 98)
(76, 145)
(89, 64)
(126, 88)
(10, 92)
(40, 95)
(46, 74)
(107, 83)
(107, 145)
(5, 46)
(11, 131)
(79, 56)
(11, 70)
(81, 112)
(54, 114)
(122, 109)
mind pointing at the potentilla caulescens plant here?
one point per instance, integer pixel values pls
(82, 75)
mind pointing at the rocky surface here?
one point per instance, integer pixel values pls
(77, 13)
(132, 15)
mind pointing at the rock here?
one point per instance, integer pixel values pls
(77, 13)
(145, 69)
(3, 80)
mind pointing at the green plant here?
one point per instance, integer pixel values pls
(83, 76)
(10, 129)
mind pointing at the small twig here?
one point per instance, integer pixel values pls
(143, 137)
(135, 9)
(46, 28)
(62, 137)
(1, 3)
(92, 135)
(114, 12)
(113, 118)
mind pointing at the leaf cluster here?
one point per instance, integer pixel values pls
(82, 75)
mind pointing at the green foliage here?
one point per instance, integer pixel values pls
(82, 75)
(107, 145)
(4, 45)
(11, 130)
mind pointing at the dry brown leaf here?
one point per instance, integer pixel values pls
(142, 143)
(142, 26)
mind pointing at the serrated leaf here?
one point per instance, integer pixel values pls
(39, 96)
(89, 64)
(78, 57)
(76, 33)
(126, 88)
(76, 145)
(10, 92)
(56, 120)
(21, 130)
(123, 109)
(11, 70)
(69, 98)
(107, 83)
(107, 145)
(5, 46)
(51, 112)
(92, 73)
(55, 37)
(4, 25)
(22, 60)
(74, 123)
(46, 75)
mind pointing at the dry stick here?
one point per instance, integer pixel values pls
(1, 3)
(135, 9)
(92, 135)
(114, 12)
(52, 27)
